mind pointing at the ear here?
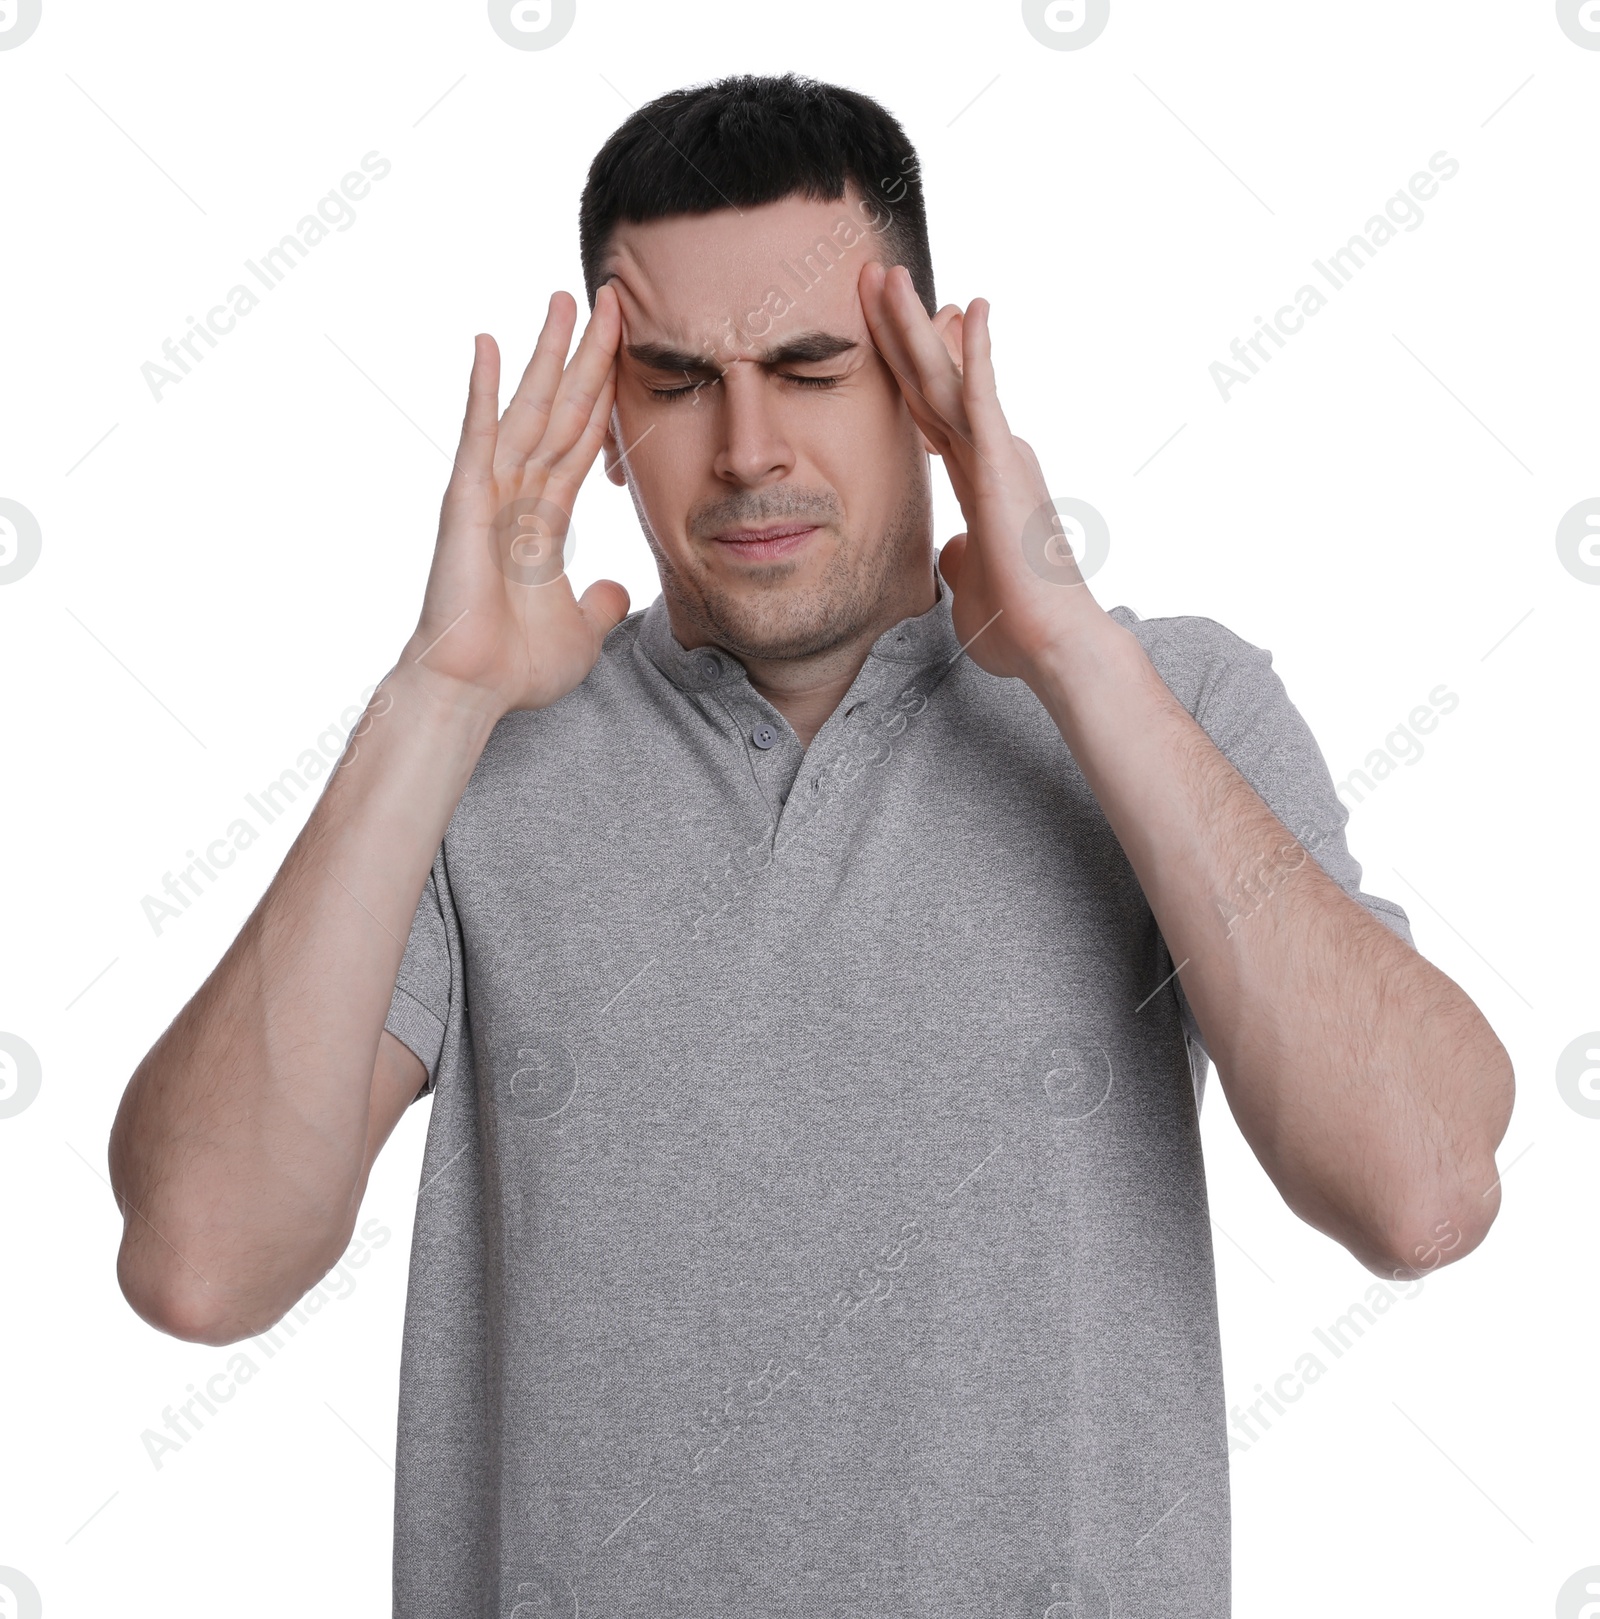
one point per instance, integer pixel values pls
(612, 454)
(947, 322)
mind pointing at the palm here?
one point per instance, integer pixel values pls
(1008, 609)
(500, 615)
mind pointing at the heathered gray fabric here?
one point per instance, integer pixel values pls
(813, 1219)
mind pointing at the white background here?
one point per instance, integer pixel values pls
(225, 571)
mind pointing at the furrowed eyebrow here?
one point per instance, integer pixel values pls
(807, 348)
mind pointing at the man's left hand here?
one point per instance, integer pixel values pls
(1019, 597)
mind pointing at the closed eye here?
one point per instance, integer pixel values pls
(695, 387)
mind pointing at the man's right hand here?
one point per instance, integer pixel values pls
(500, 626)
(242, 1147)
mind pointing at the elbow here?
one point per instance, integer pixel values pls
(1443, 1220)
(215, 1299)
(186, 1311)
(1412, 1251)
(169, 1309)
(1438, 1230)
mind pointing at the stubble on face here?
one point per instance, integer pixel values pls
(770, 613)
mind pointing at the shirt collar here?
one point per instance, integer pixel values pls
(928, 637)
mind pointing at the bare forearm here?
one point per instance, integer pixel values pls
(238, 1151)
(1368, 1084)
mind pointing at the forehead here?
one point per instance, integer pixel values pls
(776, 268)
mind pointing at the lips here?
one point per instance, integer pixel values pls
(766, 542)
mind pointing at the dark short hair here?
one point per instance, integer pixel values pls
(747, 140)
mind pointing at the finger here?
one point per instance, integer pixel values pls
(480, 426)
(582, 382)
(991, 433)
(890, 343)
(887, 341)
(886, 335)
(1028, 455)
(937, 377)
(529, 409)
(929, 379)
(572, 468)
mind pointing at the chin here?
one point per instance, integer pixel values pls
(796, 629)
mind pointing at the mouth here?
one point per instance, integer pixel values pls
(760, 544)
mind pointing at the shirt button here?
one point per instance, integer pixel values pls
(764, 735)
(710, 665)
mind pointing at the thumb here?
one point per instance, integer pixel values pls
(605, 605)
(950, 555)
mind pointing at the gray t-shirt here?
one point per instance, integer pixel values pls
(813, 1219)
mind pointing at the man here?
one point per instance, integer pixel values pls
(814, 973)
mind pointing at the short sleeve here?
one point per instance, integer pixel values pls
(1240, 702)
(425, 986)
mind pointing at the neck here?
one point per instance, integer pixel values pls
(807, 690)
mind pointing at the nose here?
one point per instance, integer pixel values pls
(754, 449)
